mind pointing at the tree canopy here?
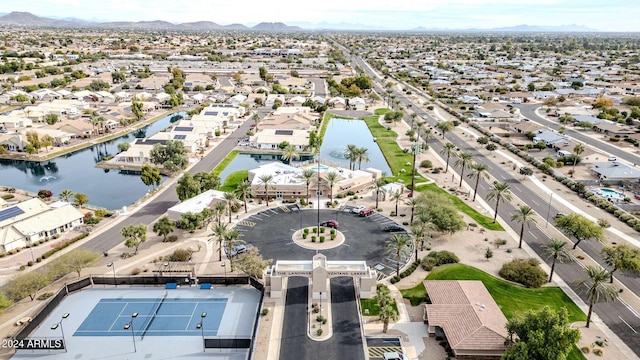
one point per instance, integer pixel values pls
(172, 156)
(542, 335)
(579, 228)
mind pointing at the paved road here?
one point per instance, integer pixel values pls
(528, 111)
(320, 88)
(618, 317)
(346, 342)
(159, 205)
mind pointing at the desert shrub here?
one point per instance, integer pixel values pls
(428, 263)
(443, 257)
(180, 255)
(585, 349)
(524, 271)
(171, 238)
(135, 271)
(264, 312)
(7, 197)
(100, 213)
(426, 164)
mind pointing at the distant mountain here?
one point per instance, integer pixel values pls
(17, 18)
(275, 26)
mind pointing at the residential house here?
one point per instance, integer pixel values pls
(14, 122)
(468, 317)
(196, 204)
(33, 221)
(616, 171)
(269, 139)
(548, 137)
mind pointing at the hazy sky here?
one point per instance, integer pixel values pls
(605, 15)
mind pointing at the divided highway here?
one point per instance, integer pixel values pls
(621, 319)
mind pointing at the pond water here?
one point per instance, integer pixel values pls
(107, 188)
(340, 133)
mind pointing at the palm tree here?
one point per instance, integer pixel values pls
(351, 154)
(413, 202)
(448, 150)
(65, 195)
(290, 153)
(231, 200)
(398, 247)
(266, 180)
(309, 175)
(465, 159)
(331, 179)
(379, 185)
(231, 239)
(478, 171)
(597, 287)
(500, 191)
(219, 209)
(361, 155)
(244, 191)
(387, 313)
(524, 215)
(577, 151)
(418, 234)
(219, 230)
(558, 251)
(445, 126)
(396, 196)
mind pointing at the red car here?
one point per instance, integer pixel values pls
(330, 223)
(366, 212)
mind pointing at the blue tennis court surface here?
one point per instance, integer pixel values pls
(156, 317)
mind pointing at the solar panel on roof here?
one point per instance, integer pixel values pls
(183, 128)
(284, 132)
(211, 113)
(179, 137)
(10, 212)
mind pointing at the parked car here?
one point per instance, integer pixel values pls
(613, 158)
(393, 355)
(357, 209)
(558, 215)
(367, 212)
(330, 223)
(393, 228)
(238, 249)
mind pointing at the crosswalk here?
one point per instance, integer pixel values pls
(285, 209)
(378, 351)
(247, 223)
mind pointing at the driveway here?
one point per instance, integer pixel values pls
(346, 342)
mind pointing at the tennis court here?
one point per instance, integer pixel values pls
(155, 317)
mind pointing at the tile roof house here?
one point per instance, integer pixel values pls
(465, 312)
(549, 137)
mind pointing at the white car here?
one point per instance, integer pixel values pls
(357, 209)
(394, 356)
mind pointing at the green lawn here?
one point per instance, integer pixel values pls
(416, 294)
(576, 354)
(514, 300)
(372, 305)
(381, 111)
(232, 181)
(482, 220)
(225, 162)
(396, 158)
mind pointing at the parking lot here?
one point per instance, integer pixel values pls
(271, 231)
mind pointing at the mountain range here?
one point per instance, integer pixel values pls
(27, 19)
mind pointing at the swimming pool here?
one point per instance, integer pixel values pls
(608, 193)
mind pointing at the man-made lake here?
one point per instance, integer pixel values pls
(110, 189)
(340, 133)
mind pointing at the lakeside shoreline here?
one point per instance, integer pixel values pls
(87, 142)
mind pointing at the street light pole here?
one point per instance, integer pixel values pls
(318, 192)
(113, 269)
(548, 210)
(129, 325)
(59, 323)
(224, 266)
(201, 326)
(320, 308)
